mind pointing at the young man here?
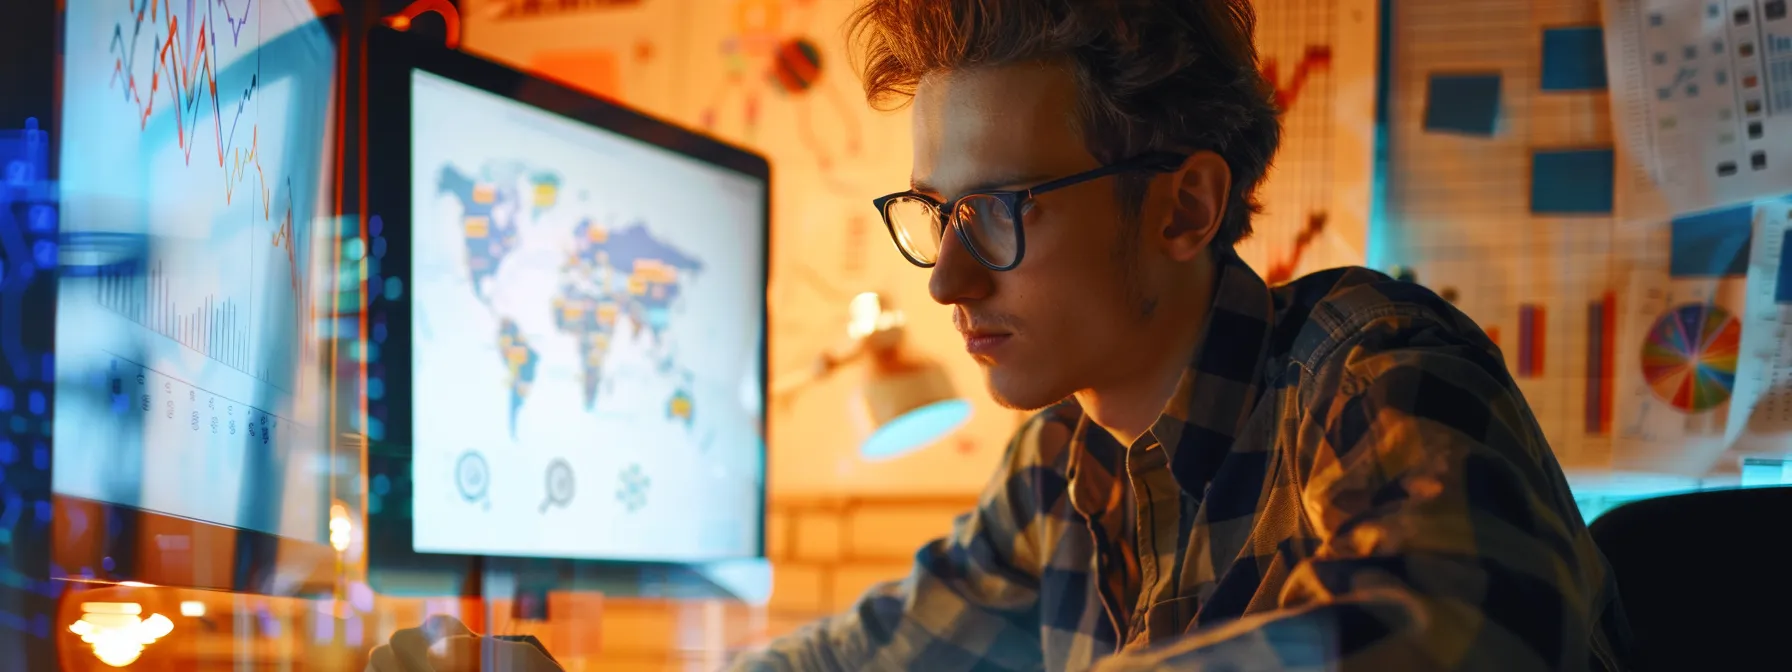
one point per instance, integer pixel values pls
(1339, 473)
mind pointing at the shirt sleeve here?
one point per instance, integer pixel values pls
(970, 602)
(1444, 535)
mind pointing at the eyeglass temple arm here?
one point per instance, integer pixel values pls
(1154, 161)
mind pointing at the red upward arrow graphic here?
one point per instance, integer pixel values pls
(1316, 56)
(1283, 271)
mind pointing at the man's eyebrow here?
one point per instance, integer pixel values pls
(1015, 180)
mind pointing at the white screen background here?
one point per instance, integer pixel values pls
(703, 481)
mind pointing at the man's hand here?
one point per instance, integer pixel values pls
(443, 644)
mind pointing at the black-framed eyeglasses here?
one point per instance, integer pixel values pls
(988, 222)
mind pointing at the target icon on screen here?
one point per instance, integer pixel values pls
(473, 478)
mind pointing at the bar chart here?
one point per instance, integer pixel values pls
(217, 328)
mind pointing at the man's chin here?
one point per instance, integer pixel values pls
(1017, 394)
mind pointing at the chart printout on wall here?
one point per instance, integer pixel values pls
(1676, 363)
(1701, 94)
(1761, 400)
(1309, 66)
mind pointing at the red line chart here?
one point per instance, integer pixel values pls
(1315, 57)
(284, 239)
(184, 76)
(191, 75)
(1298, 197)
(1283, 271)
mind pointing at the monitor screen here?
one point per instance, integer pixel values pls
(587, 316)
(195, 162)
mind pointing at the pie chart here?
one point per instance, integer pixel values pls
(1689, 356)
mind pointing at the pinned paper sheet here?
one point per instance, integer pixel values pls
(1676, 361)
(1701, 91)
(1761, 404)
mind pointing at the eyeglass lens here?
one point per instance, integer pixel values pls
(987, 224)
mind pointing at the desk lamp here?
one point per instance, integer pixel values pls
(910, 400)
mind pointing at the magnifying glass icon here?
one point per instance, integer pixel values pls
(560, 485)
(473, 478)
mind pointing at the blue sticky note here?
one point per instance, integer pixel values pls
(1463, 103)
(1711, 244)
(1571, 182)
(1574, 59)
(1782, 290)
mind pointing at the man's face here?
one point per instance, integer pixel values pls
(1063, 320)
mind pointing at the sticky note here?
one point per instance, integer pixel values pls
(1711, 244)
(1574, 59)
(1571, 181)
(1463, 103)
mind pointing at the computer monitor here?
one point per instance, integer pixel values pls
(190, 439)
(574, 323)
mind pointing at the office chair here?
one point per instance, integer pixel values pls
(1705, 578)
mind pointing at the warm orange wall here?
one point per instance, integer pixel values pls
(710, 64)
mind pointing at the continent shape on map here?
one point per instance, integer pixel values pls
(488, 229)
(611, 273)
(489, 205)
(521, 360)
(606, 274)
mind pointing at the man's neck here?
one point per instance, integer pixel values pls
(1131, 402)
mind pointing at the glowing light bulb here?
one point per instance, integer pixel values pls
(868, 314)
(863, 312)
(340, 527)
(117, 632)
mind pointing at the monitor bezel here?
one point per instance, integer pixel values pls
(392, 57)
(115, 548)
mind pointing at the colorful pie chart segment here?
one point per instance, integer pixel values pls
(1689, 356)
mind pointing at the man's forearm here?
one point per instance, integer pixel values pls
(846, 641)
(806, 649)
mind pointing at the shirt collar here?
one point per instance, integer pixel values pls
(1214, 397)
(1219, 388)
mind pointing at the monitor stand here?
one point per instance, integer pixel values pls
(528, 592)
(529, 601)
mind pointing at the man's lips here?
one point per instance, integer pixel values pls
(984, 342)
(981, 336)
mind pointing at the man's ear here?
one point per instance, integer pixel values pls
(1200, 188)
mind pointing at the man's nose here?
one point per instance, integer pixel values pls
(957, 275)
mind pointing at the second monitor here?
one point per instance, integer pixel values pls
(586, 318)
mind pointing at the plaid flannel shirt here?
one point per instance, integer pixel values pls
(1347, 477)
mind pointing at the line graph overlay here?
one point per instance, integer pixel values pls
(201, 130)
(183, 95)
(160, 54)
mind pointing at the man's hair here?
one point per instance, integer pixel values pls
(1151, 75)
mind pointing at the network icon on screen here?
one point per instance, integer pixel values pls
(632, 491)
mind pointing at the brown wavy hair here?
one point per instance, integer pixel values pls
(1152, 75)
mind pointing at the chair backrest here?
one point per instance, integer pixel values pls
(1705, 578)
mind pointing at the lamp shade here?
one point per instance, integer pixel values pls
(910, 408)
